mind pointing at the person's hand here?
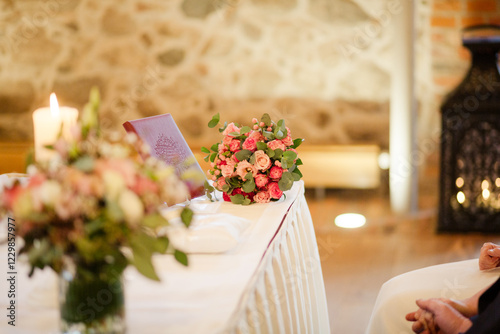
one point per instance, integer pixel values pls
(436, 316)
(489, 257)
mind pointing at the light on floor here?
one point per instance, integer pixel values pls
(350, 220)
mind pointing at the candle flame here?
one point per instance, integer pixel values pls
(54, 106)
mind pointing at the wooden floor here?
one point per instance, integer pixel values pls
(357, 262)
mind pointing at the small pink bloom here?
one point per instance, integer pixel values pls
(288, 139)
(275, 172)
(254, 120)
(277, 163)
(244, 167)
(226, 141)
(214, 178)
(250, 144)
(235, 145)
(231, 128)
(274, 190)
(217, 172)
(221, 182)
(261, 180)
(275, 144)
(255, 127)
(262, 160)
(262, 197)
(262, 124)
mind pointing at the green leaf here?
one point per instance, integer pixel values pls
(266, 119)
(205, 150)
(142, 254)
(246, 201)
(286, 181)
(268, 135)
(215, 148)
(290, 155)
(261, 146)
(243, 155)
(281, 125)
(248, 186)
(160, 244)
(299, 162)
(279, 134)
(187, 216)
(221, 129)
(297, 142)
(206, 158)
(271, 153)
(181, 257)
(245, 129)
(214, 121)
(154, 221)
(213, 156)
(237, 199)
(297, 175)
(225, 188)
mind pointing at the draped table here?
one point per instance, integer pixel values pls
(271, 282)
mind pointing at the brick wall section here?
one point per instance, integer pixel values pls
(450, 60)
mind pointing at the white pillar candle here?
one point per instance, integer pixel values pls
(47, 123)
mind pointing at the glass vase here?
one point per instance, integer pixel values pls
(91, 303)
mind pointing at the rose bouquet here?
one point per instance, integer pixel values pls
(94, 207)
(253, 164)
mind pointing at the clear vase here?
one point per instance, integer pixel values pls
(91, 303)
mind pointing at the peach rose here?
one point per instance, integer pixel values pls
(262, 160)
(275, 144)
(256, 135)
(262, 197)
(288, 139)
(227, 170)
(231, 128)
(274, 190)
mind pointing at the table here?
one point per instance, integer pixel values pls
(271, 282)
(396, 298)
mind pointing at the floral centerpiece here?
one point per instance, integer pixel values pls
(89, 212)
(253, 164)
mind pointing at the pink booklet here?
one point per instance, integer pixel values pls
(167, 144)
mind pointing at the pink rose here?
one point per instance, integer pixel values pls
(222, 148)
(275, 144)
(256, 135)
(262, 197)
(231, 128)
(234, 146)
(250, 144)
(226, 140)
(244, 167)
(274, 190)
(275, 172)
(227, 170)
(261, 180)
(262, 160)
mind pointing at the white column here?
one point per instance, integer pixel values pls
(402, 142)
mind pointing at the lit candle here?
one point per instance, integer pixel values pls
(47, 123)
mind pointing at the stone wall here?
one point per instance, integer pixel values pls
(323, 65)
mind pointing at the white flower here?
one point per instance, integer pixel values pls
(50, 192)
(131, 206)
(114, 184)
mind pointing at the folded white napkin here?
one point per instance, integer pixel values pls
(208, 233)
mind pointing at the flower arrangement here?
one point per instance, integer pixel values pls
(94, 197)
(253, 164)
(95, 205)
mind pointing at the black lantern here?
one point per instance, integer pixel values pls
(470, 141)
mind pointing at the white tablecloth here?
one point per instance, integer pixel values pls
(270, 282)
(456, 280)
